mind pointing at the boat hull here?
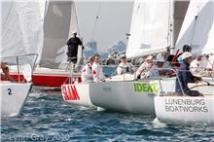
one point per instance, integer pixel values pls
(13, 97)
(48, 78)
(78, 94)
(184, 109)
(128, 96)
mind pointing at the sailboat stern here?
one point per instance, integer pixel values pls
(77, 94)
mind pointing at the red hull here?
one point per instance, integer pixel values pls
(49, 80)
(46, 80)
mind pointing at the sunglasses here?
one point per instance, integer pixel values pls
(5, 68)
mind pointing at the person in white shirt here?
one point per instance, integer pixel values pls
(124, 66)
(86, 72)
(196, 65)
(144, 70)
(97, 70)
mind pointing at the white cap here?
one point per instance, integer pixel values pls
(122, 56)
(186, 55)
(159, 58)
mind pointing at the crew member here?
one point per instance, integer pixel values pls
(73, 44)
(124, 66)
(184, 77)
(97, 70)
(5, 76)
(86, 72)
(186, 48)
(144, 70)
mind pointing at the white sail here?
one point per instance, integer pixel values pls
(149, 28)
(60, 23)
(198, 29)
(22, 27)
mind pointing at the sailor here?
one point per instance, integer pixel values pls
(156, 71)
(184, 77)
(73, 44)
(97, 70)
(5, 76)
(144, 70)
(110, 60)
(86, 72)
(186, 48)
(196, 65)
(124, 66)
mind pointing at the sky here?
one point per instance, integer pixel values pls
(111, 26)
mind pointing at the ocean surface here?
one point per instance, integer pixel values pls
(46, 117)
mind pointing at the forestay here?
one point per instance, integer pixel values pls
(149, 28)
(198, 29)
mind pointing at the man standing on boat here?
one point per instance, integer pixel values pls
(73, 44)
(184, 77)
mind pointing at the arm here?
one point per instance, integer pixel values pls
(119, 70)
(68, 42)
(187, 76)
(79, 41)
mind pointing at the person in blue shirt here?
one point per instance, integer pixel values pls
(184, 77)
(186, 48)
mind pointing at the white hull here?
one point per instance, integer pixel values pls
(13, 96)
(77, 94)
(128, 96)
(180, 109)
(185, 109)
(123, 96)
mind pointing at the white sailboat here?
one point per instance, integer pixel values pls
(183, 109)
(127, 95)
(21, 37)
(59, 22)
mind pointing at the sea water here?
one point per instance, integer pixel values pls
(46, 117)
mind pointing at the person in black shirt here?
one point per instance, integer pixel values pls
(73, 44)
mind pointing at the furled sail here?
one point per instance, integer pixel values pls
(22, 27)
(60, 23)
(149, 28)
(198, 29)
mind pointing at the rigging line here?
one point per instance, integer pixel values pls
(96, 21)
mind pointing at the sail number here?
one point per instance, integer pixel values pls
(9, 91)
